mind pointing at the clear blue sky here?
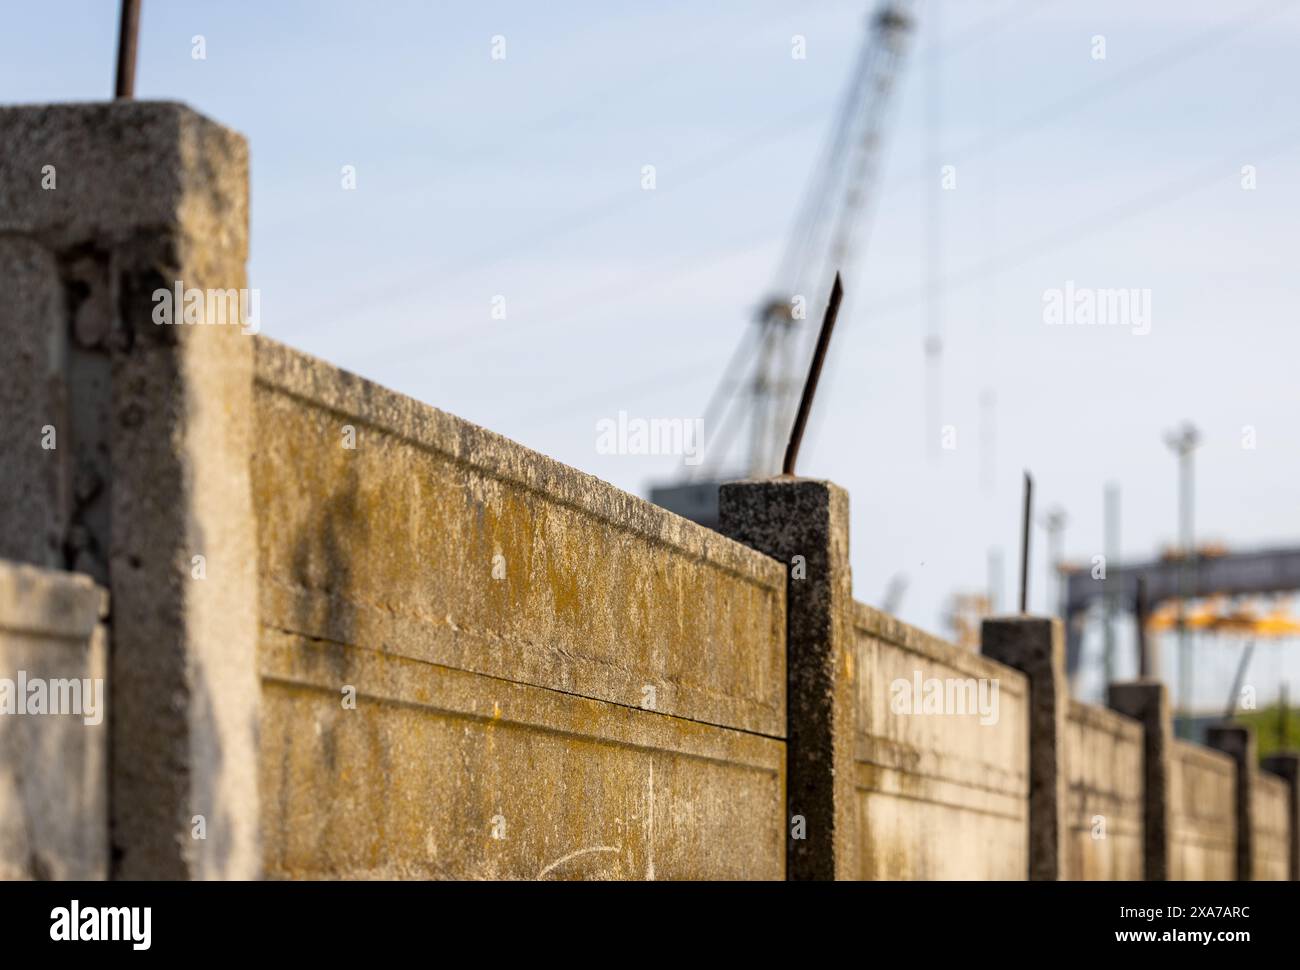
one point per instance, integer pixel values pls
(522, 178)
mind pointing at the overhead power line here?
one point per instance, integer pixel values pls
(1078, 232)
(622, 200)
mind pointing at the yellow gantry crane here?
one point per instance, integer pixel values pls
(1219, 615)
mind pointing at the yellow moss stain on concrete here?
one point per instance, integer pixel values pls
(390, 546)
(401, 531)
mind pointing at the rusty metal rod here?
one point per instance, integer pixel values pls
(814, 375)
(128, 39)
(1140, 611)
(1026, 518)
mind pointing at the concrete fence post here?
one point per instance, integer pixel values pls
(1147, 701)
(1287, 766)
(126, 437)
(1238, 742)
(1036, 647)
(805, 525)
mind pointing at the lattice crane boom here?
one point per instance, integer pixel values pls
(824, 239)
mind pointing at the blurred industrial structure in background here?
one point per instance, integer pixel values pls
(753, 405)
(1212, 598)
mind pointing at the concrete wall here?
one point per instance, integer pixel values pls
(1104, 813)
(1272, 806)
(505, 621)
(353, 636)
(1203, 799)
(1285, 766)
(938, 795)
(53, 766)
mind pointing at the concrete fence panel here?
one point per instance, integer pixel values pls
(552, 678)
(53, 731)
(1271, 821)
(1104, 794)
(1285, 765)
(1203, 843)
(941, 757)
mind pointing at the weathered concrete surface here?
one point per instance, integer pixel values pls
(1036, 647)
(34, 481)
(1104, 794)
(1147, 701)
(151, 466)
(1270, 822)
(439, 541)
(552, 679)
(804, 525)
(53, 767)
(1286, 766)
(938, 795)
(532, 651)
(442, 773)
(1204, 839)
(1238, 743)
(122, 168)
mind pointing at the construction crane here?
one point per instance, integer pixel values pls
(748, 418)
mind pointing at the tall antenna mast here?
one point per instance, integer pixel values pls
(933, 247)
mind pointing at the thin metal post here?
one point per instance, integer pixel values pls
(1283, 715)
(1140, 613)
(1238, 680)
(814, 375)
(1183, 442)
(1054, 521)
(1025, 519)
(1110, 601)
(128, 39)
